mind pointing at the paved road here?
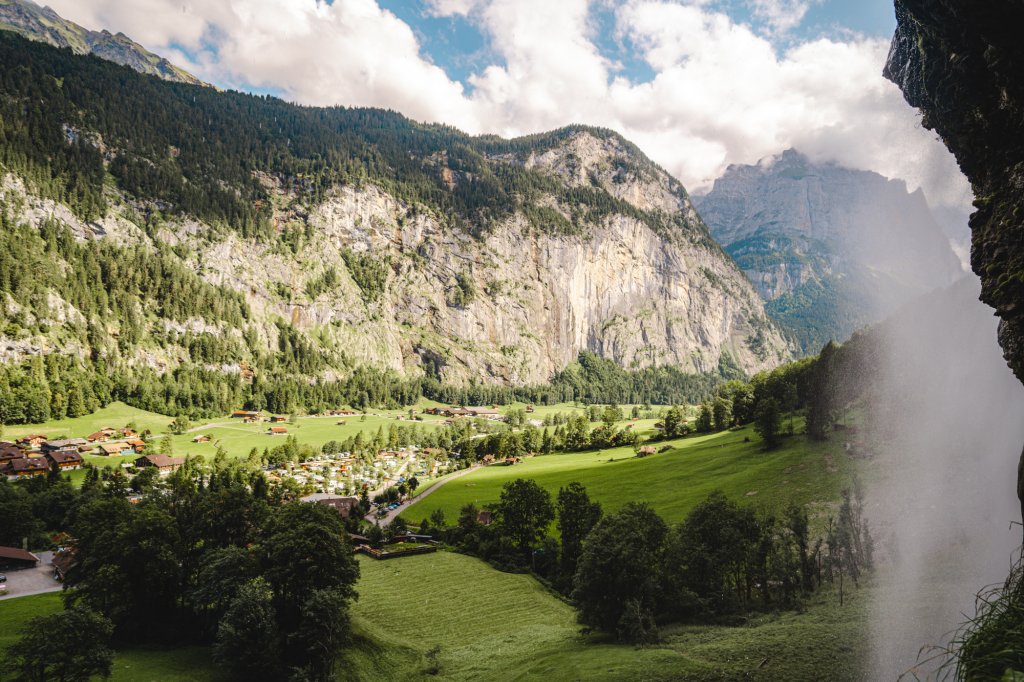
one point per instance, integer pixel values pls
(32, 580)
(393, 514)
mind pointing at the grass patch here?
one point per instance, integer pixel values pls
(510, 627)
(672, 482)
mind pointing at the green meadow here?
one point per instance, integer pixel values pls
(238, 438)
(672, 482)
(510, 627)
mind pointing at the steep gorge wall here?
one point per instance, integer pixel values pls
(961, 64)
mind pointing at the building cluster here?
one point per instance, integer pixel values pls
(36, 455)
(343, 473)
(455, 412)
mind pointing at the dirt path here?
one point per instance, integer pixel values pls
(393, 514)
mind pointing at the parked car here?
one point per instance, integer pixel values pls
(3, 578)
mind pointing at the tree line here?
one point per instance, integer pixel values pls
(629, 572)
(212, 556)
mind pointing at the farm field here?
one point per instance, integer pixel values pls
(672, 482)
(509, 626)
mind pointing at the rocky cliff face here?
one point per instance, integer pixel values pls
(961, 65)
(513, 305)
(45, 25)
(803, 231)
(519, 304)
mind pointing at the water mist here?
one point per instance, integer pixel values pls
(944, 425)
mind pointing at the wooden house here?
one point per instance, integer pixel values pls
(9, 451)
(26, 467)
(109, 449)
(164, 464)
(278, 419)
(201, 438)
(277, 431)
(17, 558)
(245, 414)
(65, 459)
(31, 441)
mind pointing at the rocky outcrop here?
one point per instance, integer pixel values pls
(801, 230)
(961, 65)
(618, 288)
(641, 284)
(45, 25)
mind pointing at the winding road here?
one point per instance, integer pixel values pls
(393, 514)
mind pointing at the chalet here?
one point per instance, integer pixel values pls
(63, 561)
(32, 441)
(138, 445)
(164, 464)
(64, 444)
(98, 437)
(277, 431)
(245, 414)
(201, 438)
(483, 412)
(110, 449)
(26, 467)
(358, 540)
(645, 450)
(484, 517)
(9, 451)
(128, 433)
(529, 408)
(342, 505)
(15, 558)
(277, 419)
(65, 459)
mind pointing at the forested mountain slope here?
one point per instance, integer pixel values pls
(259, 248)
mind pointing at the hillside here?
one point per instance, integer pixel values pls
(269, 242)
(43, 24)
(672, 482)
(830, 249)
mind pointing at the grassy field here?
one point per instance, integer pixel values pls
(235, 436)
(509, 627)
(238, 438)
(672, 482)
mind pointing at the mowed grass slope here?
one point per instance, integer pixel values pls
(673, 482)
(500, 626)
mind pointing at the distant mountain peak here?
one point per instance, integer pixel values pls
(830, 248)
(43, 24)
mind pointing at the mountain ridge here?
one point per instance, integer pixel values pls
(41, 23)
(358, 238)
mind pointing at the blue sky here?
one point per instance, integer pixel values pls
(460, 46)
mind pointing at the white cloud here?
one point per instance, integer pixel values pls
(780, 15)
(721, 92)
